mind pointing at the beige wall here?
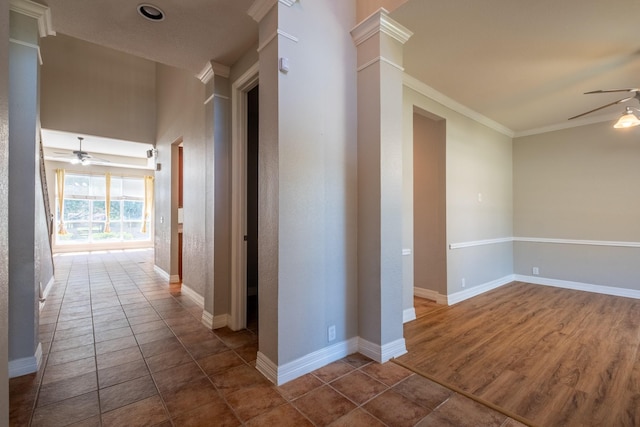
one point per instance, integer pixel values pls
(478, 161)
(429, 204)
(86, 88)
(364, 8)
(4, 213)
(181, 117)
(578, 184)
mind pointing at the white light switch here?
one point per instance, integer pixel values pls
(283, 64)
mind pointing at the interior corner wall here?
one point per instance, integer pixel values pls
(316, 177)
(479, 194)
(94, 90)
(429, 204)
(578, 184)
(4, 213)
(181, 116)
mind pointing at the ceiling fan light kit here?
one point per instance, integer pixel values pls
(629, 118)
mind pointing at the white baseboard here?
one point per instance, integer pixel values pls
(207, 319)
(214, 322)
(408, 315)
(579, 286)
(477, 290)
(26, 365)
(382, 353)
(161, 272)
(192, 295)
(305, 364)
(431, 295)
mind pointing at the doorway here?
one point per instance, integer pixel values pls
(244, 223)
(252, 209)
(429, 205)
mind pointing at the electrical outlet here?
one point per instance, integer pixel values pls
(535, 271)
(464, 282)
(331, 332)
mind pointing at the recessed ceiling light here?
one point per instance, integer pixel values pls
(151, 12)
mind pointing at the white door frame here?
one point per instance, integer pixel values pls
(240, 87)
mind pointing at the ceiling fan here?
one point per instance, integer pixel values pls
(629, 118)
(84, 158)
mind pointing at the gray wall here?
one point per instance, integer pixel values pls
(429, 203)
(24, 271)
(479, 161)
(94, 90)
(308, 181)
(578, 184)
(4, 213)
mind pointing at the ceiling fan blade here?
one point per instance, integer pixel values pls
(612, 90)
(620, 101)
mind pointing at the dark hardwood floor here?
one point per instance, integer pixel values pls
(554, 356)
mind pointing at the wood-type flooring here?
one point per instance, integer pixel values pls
(556, 357)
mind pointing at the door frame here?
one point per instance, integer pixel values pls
(239, 89)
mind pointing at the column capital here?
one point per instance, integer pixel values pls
(260, 8)
(35, 10)
(380, 22)
(213, 69)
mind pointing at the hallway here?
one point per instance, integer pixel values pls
(121, 347)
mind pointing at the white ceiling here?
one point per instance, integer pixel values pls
(525, 64)
(522, 64)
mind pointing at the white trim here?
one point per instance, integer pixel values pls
(220, 321)
(477, 290)
(408, 314)
(480, 242)
(35, 10)
(220, 69)
(269, 39)
(238, 317)
(430, 295)
(305, 364)
(213, 69)
(382, 353)
(288, 2)
(578, 242)
(578, 286)
(207, 319)
(380, 59)
(380, 22)
(193, 295)
(429, 92)
(260, 8)
(48, 287)
(30, 45)
(162, 273)
(610, 243)
(266, 367)
(584, 121)
(206, 74)
(26, 365)
(287, 35)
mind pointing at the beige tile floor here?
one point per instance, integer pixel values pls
(123, 348)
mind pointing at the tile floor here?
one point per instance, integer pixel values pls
(123, 348)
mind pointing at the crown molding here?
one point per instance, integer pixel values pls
(213, 69)
(380, 22)
(260, 8)
(584, 121)
(37, 11)
(429, 92)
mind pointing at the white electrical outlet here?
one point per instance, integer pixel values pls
(464, 282)
(331, 332)
(535, 271)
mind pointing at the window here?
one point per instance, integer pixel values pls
(85, 212)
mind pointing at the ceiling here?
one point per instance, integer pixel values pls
(524, 65)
